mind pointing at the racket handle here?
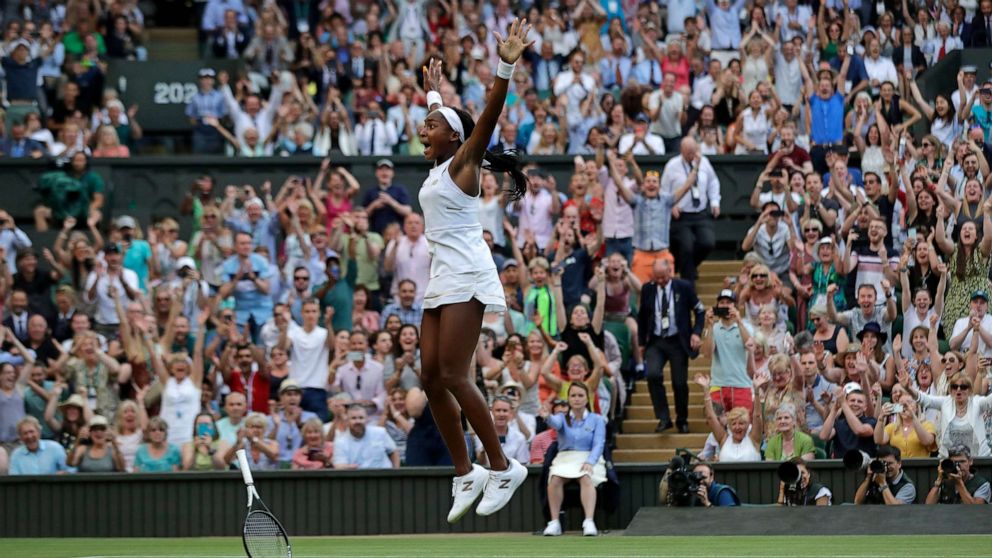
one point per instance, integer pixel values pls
(245, 469)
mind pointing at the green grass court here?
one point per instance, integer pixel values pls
(572, 545)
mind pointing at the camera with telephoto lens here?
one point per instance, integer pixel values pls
(949, 467)
(683, 483)
(857, 460)
(792, 478)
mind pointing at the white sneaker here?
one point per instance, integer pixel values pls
(589, 528)
(466, 490)
(500, 488)
(553, 529)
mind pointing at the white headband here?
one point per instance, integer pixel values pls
(453, 120)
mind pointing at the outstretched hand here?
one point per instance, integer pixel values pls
(515, 44)
(432, 75)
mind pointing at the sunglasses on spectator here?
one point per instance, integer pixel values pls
(759, 276)
(945, 360)
(301, 278)
(171, 230)
(927, 144)
(227, 317)
(813, 229)
(961, 387)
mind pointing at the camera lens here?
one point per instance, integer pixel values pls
(948, 466)
(877, 466)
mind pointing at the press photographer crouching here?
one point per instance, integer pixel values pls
(884, 483)
(795, 487)
(683, 486)
(956, 484)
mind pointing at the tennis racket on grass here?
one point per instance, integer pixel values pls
(263, 535)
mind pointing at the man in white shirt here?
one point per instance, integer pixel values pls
(311, 349)
(793, 19)
(788, 76)
(375, 135)
(693, 236)
(408, 257)
(403, 112)
(253, 115)
(98, 285)
(574, 82)
(12, 239)
(976, 325)
(970, 87)
(941, 45)
(880, 68)
(669, 111)
(704, 86)
(362, 446)
(640, 141)
(537, 209)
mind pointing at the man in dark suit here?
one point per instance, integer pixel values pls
(669, 325)
(17, 317)
(899, 53)
(981, 26)
(231, 40)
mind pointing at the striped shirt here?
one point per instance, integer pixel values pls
(652, 221)
(211, 103)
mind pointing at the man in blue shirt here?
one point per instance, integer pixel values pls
(824, 105)
(36, 456)
(388, 202)
(261, 225)
(246, 276)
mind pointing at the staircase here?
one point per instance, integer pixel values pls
(638, 443)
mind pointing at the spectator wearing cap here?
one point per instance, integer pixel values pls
(981, 111)
(975, 327)
(824, 106)
(36, 456)
(771, 238)
(364, 446)
(641, 141)
(693, 215)
(968, 87)
(285, 426)
(106, 281)
(97, 452)
(204, 106)
(959, 485)
(139, 256)
(847, 424)
(724, 338)
(388, 202)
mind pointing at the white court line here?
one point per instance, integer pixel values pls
(681, 555)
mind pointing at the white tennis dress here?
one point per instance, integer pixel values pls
(462, 266)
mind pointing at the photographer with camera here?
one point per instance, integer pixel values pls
(684, 487)
(885, 483)
(795, 487)
(955, 483)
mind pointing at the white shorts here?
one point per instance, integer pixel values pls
(568, 465)
(453, 288)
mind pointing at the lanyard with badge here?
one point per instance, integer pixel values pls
(661, 306)
(694, 191)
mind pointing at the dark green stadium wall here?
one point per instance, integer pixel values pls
(342, 502)
(153, 187)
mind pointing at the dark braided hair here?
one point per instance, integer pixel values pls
(498, 162)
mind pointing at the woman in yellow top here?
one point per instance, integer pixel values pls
(915, 437)
(577, 370)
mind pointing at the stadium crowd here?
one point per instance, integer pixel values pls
(287, 323)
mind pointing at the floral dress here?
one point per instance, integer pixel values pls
(958, 296)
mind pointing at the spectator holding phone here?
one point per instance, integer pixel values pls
(725, 337)
(912, 434)
(198, 454)
(956, 483)
(771, 238)
(315, 453)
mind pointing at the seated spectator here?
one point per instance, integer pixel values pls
(405, 306)
(19, 145)
(157, 455)
(97, 452)
(581, 439)
(513, 442)
(315, 453)
(129, 427)
(198, 454)
(810, 493)
(891, 488)
(543, 440)
(264, 451)
(36, 456)
(739, 440)
(913, 434)
(397, 421)
(235, 411)
(364, 447)
(847, 424)
(108, 144)
(788, 441)
(959, 485)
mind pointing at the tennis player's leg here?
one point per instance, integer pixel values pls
(471, 480)
(460, 325)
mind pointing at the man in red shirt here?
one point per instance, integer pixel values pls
(245, 371)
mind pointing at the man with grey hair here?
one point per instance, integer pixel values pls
(956, 483)
(255, 221)
(693, 236)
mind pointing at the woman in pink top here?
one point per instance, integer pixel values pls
(108, 144)
(675, 62)
(342, 186)
(315, 453)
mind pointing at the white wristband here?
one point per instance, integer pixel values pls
(505, 70)
(434, 98)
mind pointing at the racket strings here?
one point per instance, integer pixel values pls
(264, 537)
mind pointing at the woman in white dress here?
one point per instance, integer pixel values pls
(463, 281)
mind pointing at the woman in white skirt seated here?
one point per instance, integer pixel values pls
(581, 439)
